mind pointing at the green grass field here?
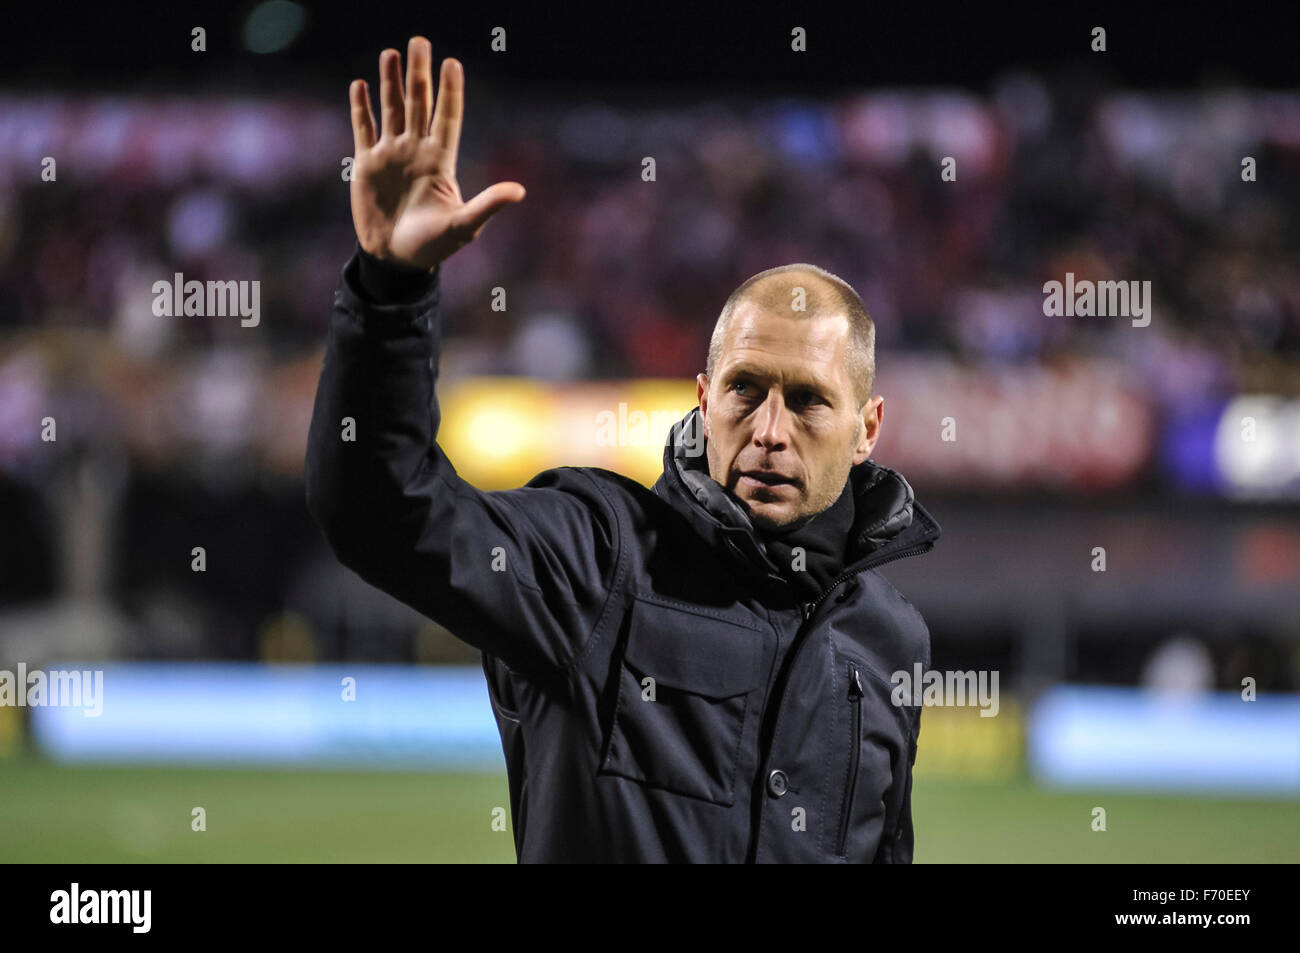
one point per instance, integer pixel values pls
(52, 813)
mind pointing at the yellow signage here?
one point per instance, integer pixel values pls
(499, 432)
(956, 742)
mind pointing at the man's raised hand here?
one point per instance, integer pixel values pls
(406, 205)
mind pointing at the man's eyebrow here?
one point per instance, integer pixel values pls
(761, 372)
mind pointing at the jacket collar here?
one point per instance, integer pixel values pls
(888, 522)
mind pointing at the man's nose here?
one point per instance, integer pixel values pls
(771, 431)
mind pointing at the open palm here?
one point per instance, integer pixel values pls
(406, 204)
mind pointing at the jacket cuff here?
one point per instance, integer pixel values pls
(419, 301)
(383, 282)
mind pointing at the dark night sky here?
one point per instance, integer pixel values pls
(134, 46)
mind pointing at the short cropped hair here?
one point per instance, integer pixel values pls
(831, 295)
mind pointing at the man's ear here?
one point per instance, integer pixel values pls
(702, 398)
(873, 412)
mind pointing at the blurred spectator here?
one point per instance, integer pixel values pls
(1179, 666)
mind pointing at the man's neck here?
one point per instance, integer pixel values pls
(813, 553)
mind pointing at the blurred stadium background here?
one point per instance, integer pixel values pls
(1120, 689)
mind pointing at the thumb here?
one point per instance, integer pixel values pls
(476, 212)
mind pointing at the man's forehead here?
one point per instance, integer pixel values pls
(754, 326)
(801, 351)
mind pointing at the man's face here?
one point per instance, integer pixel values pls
(782, 421)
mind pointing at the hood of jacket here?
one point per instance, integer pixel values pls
(888, 522)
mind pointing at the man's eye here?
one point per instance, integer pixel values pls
(805, 398)
(738, 388)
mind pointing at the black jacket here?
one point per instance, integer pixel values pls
(631, 638)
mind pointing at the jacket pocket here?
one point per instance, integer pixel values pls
(686, 683)
(854, 742)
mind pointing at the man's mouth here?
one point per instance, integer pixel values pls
(768, 478)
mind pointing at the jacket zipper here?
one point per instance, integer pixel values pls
(855, 752)
(807, 609)
(810, 607)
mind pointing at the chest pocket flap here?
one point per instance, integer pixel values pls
(684, 730)
(694, 653)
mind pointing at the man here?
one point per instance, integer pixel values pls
(698, 672)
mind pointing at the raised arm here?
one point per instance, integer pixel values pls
(521, 574)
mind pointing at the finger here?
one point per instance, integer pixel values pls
(390, 93)
(363, 120)
(451, 106)
(475, 213)
(419, 85)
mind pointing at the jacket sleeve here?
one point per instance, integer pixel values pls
(520, 574)
(896, 843)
